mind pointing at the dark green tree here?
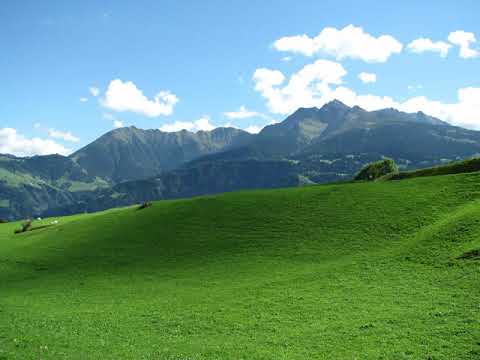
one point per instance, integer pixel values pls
(376, 170)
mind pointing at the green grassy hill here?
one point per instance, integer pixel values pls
(456, 167)
(381, 270)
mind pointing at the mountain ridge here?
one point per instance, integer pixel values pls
(116, 155)
(312, 145)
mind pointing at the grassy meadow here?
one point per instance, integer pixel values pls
(378, 270)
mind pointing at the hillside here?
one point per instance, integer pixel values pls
(312, 145)
(31, 186)
(39, 185)
(380, 270)
(456, 167)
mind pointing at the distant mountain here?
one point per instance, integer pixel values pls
(301, 128)
(30, 186)
(306, 127)
(415, 142)
(131, 153)
(35, 185)
(310, 146)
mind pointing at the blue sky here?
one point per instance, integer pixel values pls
(200, 64)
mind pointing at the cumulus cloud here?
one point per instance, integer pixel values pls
(94, 91)
(367, 77)
(66, 136)
(464, 112)
(202, 124)
(11, 142)
(83, 99)
(117, 124)
(349, 42)
(311, 87)
(303, 89)
(254, 129)
(242, 113)
(463, 40)
(422, 45)
(125, 96)
(266, 78)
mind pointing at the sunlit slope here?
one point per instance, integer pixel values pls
(352, 271)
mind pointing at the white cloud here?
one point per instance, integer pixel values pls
(464, 40)
(302, 44)
(66, 136)
(202, 124)
(242, 113)
(266, 78)
(465, 112)
(422, 45)
(349, 42)
(254, 129)
(11, 142)
(117, 124)
(367, 77)
(37, 125)
(351, 98)
(94, 91)
(177, 126)
(311, 87)
(286, 59)
(125, 96)
(83, 99)
(303, 89)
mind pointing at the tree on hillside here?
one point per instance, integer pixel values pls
(376, 170)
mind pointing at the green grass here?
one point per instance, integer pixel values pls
(456, 167)
(347, 271)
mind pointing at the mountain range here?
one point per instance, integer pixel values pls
(311, 146)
